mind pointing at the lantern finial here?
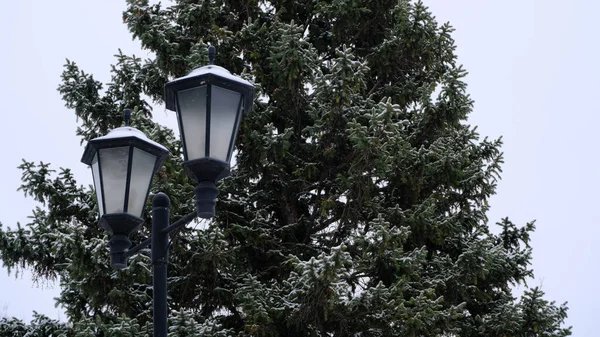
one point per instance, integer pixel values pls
(127, 116)
(211, 54)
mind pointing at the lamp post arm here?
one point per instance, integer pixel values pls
(137, 248)
(173, 227)
(181, 222)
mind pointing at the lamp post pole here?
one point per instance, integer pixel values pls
(160, 257)
(159, 242)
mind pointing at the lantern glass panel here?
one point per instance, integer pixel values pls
(142, 170)
(97, 187)
(114, 164)
(223, 115)
(192, 112)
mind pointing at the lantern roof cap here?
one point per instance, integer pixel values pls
(128, 131)
(210, 74)
(212, 69)
(123, 136)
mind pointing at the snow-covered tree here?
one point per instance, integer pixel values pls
(357, 206)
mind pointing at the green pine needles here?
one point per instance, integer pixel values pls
(357, 206)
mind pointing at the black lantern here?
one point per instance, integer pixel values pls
(209, 102)
(123, 164)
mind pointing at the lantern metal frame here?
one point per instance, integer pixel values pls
(121, 225)
(209, 169)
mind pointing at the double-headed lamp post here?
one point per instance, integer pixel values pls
(209, 103)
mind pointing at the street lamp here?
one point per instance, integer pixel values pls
(209, 103)
(123, 163)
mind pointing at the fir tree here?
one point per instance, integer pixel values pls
(357, 206)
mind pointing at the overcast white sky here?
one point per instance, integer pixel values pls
(533, 75)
